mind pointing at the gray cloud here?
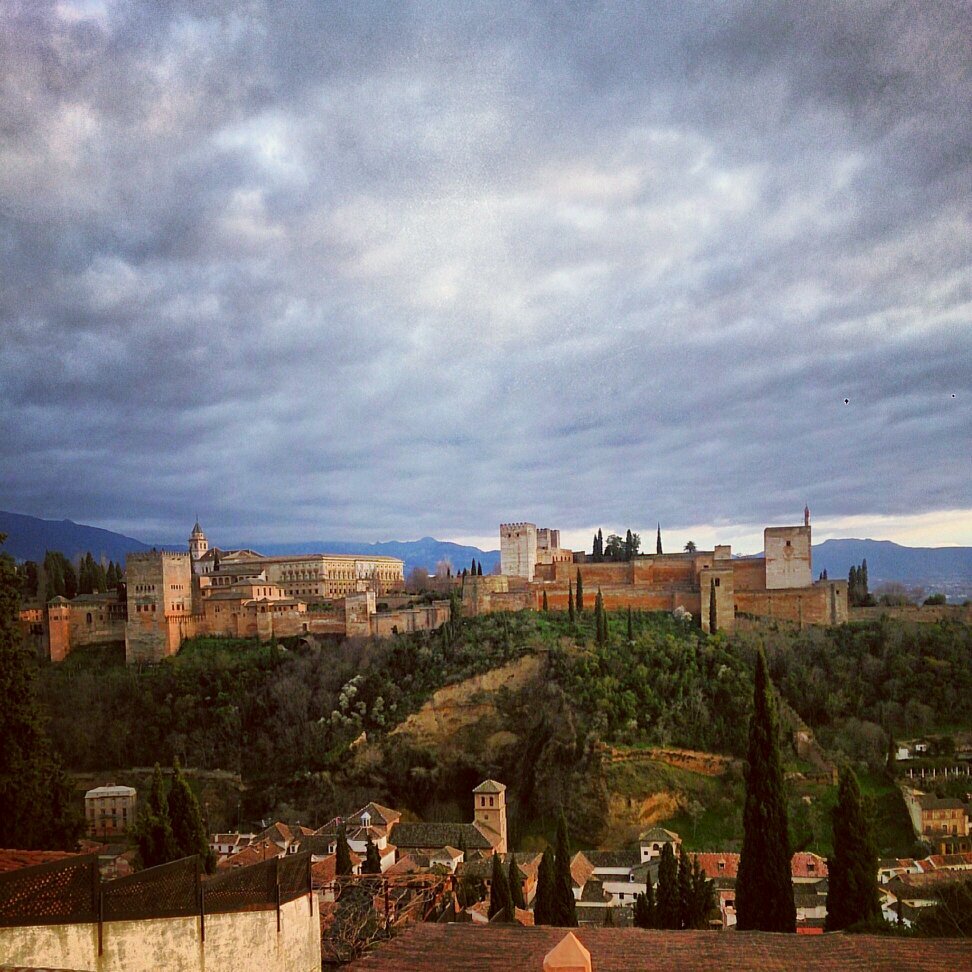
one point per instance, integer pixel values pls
(386, 272)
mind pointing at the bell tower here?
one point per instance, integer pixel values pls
(198, 544)
(489, 809)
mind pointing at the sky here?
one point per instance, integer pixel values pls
(381, 271)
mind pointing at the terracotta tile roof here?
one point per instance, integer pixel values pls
(434, 835)
(807, 865)
(14, 860)
(408, 864)
(718, 865)
(489, 786)
(614, 858)
(254, 853)
(482, 868)
(580, 869)
(458, 947)
(324, 871)
(657, 835)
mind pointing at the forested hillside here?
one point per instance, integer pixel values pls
(286, 715)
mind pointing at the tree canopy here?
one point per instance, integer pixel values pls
(764, 887)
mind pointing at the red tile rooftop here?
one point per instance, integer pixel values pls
(13, 860)
(499, 948)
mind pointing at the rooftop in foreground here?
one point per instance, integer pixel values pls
(491, 948)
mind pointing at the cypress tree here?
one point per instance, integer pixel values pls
(668, 902)
(188, 830)
(658, 546)
(713, 618)
(891, 763)
(570, 601)
(546, 606)
(644, 909)
(686, 902)
(473, 567)
(598, 611)
(479, 569)
(594, 549)
(70, 580)
(564, 911)
(580, 592)
(499, 892)
(343, 862)
(863, 581)
(37, 801)
(600, 546)
(372, 862)
(515, 880)
(852, 896)
(543, 901)
(764, 887)
(702, 888)
(155, 843)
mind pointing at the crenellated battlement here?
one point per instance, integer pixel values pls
(517, 526)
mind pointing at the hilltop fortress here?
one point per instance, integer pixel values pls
(170, 596)
(779, 584)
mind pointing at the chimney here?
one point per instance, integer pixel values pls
(568, 956)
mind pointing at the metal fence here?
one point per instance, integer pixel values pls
(71, 891)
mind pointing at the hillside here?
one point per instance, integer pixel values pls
(29, 537)
(417, 720)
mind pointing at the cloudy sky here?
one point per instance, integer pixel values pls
(378, 271)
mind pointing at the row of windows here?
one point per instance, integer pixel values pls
(144, 588)
(144, 607)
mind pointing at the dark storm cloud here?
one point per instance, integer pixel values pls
(389, 271)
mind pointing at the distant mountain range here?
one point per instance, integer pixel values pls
(28, 538)
(948, 569)
(929, 567)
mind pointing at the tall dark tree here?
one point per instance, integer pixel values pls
(891, 761)
(70, 580)
(645, 912)
(372, 861)
(570, 601)
(702, 891)
(686, 897)
(343, 853)
(628, 546)
(515, 878)
(564, 911)
(546, 606)
(599, 620)
(479, 569)
(600, 545)
(852, 895)
(54, 573)
(154, 832)
(38, 804)
(543, 900)
(764, 886)
(658, 546)
(188, 830)
(499, 892)
(668, 905)
(713, 615)
(580, 592)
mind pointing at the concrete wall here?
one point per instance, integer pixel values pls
(788, 558)
(241, 942)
